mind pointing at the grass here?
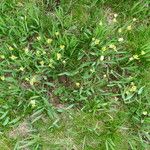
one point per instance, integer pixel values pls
(74, 75)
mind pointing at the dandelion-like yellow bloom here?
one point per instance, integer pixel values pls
(120, 39)
(97, 41)
(26, 50)
(104, 48)
(93, 39)
(50, 65)
(37, 52)
(51, 62)
(39, 38)
(62, 47)
(115, 15)
(102, 58)
(57, 33)
(33, 103)
(127, 92)
(49, 41)
(100, 23)
(134, 19)
(129, 27)
(144, 113)
(43, 52)
(21, 69)
(33, 80)
(64, 62)
(41, 63)
(143, 53)
(10, 48)
(133, 88)
(2, 78)
(113, 47)
(59, 56)
(114, 20)
(136, 57)
(131, 58)
(13, 57)
(77, 84)
(27, 79)
(105, 76)
(119, 30)
(2, 56)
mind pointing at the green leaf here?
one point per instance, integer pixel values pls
(141, 90)
(6, 121)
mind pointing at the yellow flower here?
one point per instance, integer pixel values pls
(105, 76)
(104, 48)
(42, 63)
(92, 70)
(113, 47)
(37, 52)
(13, 57)
(127, 92)
(33, 103)
(57, 33)
(26, 50)
(129, 28)
(2, 56)
(64, 62)
(38, 38)
(144, 113)
(50, 65)
(62, 47)
(10, 87)
(102, 58)
(136, 57)
(51, 61)
(33, 80)
(44, 53)
(10, 48)
(120, 39)
(27, 79)
(96, 41)
(134, 19)
(115, 15)
(133, 88)
(114, 20)
(2, 78)
(131, 58)
(21, 69)
(93, 39)
(100, 23)
(77, 84)
(143, 53)
(58, 56)
(119, 30)
(49, 41)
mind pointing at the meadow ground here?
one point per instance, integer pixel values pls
(74, 75)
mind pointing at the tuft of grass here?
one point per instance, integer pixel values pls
(77, 72)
